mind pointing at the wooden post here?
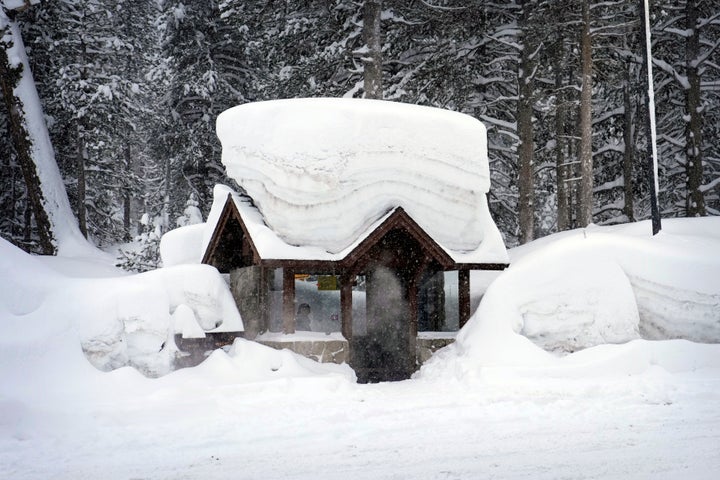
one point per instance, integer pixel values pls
(413, 289)
(464, 296)
(414, 312)
(266, 278)
(346, 284)
(413, 325)
(288, 307)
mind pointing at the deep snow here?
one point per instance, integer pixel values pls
(322, 170)
(494, 404)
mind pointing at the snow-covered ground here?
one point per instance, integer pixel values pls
(494, 405)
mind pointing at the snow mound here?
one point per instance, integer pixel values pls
(321, 171)
(593, 287)
(254, 362)
(566, 300)
(115, 321)
(48, 319)
(129, 320)
(182, 245)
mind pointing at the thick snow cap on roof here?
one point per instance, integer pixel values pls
(322, 171)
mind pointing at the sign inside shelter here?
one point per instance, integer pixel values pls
(327, 282)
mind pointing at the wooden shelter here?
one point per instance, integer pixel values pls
(393, 257)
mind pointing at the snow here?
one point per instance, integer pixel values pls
(183, 245)
(493, 404)
(322, 171)
(118, 319)
(592, 287)
(300, 337)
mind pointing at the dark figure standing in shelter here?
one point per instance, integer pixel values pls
(302, 318)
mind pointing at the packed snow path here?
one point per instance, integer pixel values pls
(651, 426)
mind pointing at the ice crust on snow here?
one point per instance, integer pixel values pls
(323, 171)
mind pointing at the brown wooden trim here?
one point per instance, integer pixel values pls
(480, 266)
(399, 218)
(288, 307)
(219, 227)
(229, 211)
(328, 267)
(463, 296)
(350, 264)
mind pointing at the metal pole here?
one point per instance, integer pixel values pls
(650, 122)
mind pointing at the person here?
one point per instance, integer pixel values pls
(302, 318)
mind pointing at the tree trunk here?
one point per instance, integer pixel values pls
(372, 59)
(525, 135)
(45, 188)
(629, 150)
(563, 206)
(695, 202)
(126, 194)
(81, 185)
(585, 206)
(27, 227)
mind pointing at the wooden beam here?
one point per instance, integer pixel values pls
(346, 284)
(480, 266)
(464, 296)
(288, 300)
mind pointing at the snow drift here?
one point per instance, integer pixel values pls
(56, 327)
(594, 287)
(120, 319)
(321, 171)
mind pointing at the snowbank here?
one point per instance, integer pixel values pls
(649, 405)
(117, 320)
(55, 328)
(593, 287)
(322, 171)
(129, 320)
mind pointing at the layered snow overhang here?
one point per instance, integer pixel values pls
(323, 170)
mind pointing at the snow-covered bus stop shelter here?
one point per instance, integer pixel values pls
(371, 199)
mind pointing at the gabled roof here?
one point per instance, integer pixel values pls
(230, 229)
(241, 238)
(399, 219)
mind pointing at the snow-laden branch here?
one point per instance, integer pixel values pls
(17, 5)
(709, 186)
(712, 20)
(667, 68)
(619, 182)
(441, 8)
(499, 123)
(702, 58)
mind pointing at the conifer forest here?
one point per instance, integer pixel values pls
(130, 91)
